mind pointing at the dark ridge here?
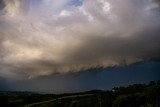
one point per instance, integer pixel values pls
(136, 95)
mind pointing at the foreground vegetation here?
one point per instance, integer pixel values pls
(137, 95)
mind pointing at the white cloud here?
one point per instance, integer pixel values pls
(65, 13)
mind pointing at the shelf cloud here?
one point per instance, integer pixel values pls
(43, 37)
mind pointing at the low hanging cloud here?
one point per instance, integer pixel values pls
(42, 37)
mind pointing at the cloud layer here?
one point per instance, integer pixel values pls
(41, 37)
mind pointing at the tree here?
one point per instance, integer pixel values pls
(151, 83)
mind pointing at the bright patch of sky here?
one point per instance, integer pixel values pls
(76, 2)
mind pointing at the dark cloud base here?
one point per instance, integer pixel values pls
(1, 4)
(103, 79)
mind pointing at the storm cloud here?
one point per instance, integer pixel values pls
(43, 37)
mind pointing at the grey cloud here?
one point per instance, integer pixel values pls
(118, 49)
(2, 5)
(62, 38)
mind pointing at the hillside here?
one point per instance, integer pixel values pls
(137, 95)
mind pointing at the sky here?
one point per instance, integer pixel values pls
(93, 79)
(43, 38)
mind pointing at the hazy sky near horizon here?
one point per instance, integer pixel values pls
(101, 79)
(42, 37)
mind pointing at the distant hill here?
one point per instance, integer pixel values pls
(137, 95)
